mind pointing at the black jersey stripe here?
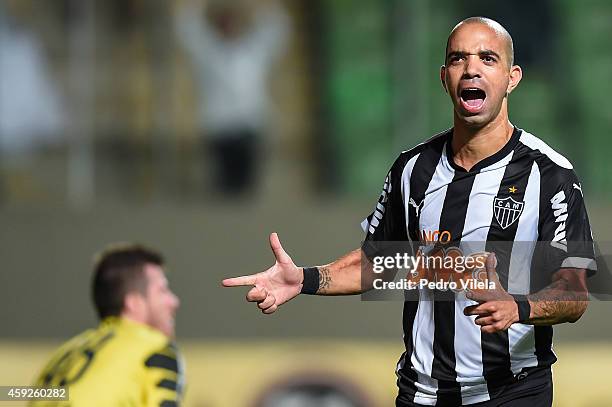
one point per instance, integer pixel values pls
(162, 361)
(406, 376)
(420, 178)
(167, 384)
(495, 347)
(543, 335)
(543, 345)
(422, 174)
(398, 231)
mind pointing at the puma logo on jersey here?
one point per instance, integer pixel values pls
(559, 208)
(579, 188)
(417, 207)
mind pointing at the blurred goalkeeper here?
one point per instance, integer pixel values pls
(130, 358)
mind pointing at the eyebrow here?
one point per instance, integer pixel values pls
(486, 52)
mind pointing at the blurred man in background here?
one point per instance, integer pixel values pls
(130, 358)
(482, 181)
(233, 47)
(32, 112)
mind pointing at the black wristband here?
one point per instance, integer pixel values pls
(311, 280)
(524, 309)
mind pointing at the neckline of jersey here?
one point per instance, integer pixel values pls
(485, 162)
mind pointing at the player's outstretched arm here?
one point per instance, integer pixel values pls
(284, 280)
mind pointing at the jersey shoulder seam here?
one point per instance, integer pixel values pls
(406, 155)
(543, 150)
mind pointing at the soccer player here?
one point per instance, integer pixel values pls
(484, 180)
(130, 358)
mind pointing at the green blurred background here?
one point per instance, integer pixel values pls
(102, 141)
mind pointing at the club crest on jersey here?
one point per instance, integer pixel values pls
(507, 211)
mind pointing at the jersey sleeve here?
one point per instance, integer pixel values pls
(564, 226)
(164, 378)
(387, 223)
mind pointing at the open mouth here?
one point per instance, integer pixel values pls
(473, 99)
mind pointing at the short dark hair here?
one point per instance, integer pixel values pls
(119, 270)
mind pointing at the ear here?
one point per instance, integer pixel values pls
(133, 303)
(516, 74)
(443, 77)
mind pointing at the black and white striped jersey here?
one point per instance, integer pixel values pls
(526, 192)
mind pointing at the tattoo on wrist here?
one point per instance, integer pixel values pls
(557, 304)
(324, 279)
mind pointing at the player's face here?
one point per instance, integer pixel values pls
(161, 302)
(477, 74)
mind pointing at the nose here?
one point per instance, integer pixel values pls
(471, 67)
(174, 301)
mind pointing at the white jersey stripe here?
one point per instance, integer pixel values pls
(468, 355)
(535, 143)
(521, 339)
(526, 235)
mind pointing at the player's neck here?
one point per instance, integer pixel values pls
(134, 317)
(471, 145)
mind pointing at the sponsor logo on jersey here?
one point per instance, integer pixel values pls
(507, 211)
(436, 236)
(380, 206)
(559, 208)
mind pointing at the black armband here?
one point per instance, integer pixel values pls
(310, 285)
(524, 309)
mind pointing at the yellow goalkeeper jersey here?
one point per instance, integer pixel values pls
(120, 363)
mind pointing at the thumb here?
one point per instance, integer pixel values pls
(490, 265)
(280, 253)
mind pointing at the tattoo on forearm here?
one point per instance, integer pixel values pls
(557, 303)
(324, 279)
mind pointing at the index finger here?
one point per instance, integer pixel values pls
(239, 281)
(477, 309)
